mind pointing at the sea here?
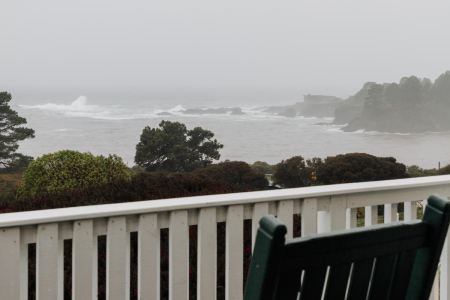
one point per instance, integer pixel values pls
(110, 121)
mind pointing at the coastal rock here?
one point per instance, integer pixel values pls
(237, 111)
(289, 113)
(319, 110)
(209, 111)
(345, 114)
(165, 114)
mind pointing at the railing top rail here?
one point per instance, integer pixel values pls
(141, 207)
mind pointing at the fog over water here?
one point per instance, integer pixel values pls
(104, 122)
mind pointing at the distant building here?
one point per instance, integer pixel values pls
(320, 98)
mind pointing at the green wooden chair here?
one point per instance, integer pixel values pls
(387, 261)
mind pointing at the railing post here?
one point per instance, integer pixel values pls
(323, 221)
(234, 268)
(84, 260)
(410, 209)
(49, 263)
(445, 268)
(285, 213)
(351, 217)
(207, 254)
(259, 211)
(10, 262)
(179, 255)
(338, 212)
(309, 216)
(371, 215)
(148, 257)
(390, 212)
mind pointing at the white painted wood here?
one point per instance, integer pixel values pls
(371, 215)
(338, 206)
(84, 260)
(445, 278)
(207, 254)
(49, 263)
(117, 259)
(309, 216)
(434, 294)
(179, 255)
(360, 194)
(9, 263)
(410, 211)
(23, 271)
(148, 257)
(323, 221)
(259, 211)
(285, 213)
(390, 213)
(234, 253)
(351, 218)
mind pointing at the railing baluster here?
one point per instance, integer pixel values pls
(259, 211)
(9, 261)
(234, 253)
(49, 263)
(371, 215)
(390, 212)
(207, 254)
(285, 213)
(445, 268)
(117, 259)
(148, 257)
(410, 211)
(351, 217)
(309, 216)
(179, 255)
(84, 260)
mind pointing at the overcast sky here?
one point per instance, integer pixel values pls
(234, 43)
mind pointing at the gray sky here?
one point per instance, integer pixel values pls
(238, 43)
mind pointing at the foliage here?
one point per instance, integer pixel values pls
(11, 132)
(359, 167)
(173, 148)
(416, 171)
(296, 172)
(143, 186)
(68, 169)
(234, 172)
(262, 167)
(444, 171)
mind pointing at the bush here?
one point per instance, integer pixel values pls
(416, 171)
(262, 167)
(144, 186)
(296, 172)
(234, 172)
(67, 169)
(359, 167)
(443, 171)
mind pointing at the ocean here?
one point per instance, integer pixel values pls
(110, 121)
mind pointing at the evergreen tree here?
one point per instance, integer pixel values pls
(11, 133)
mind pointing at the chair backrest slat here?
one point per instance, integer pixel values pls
(390, 261)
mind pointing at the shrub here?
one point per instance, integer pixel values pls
(359, 167)
(444, 171)
(296, 172)
(416, 171)
(67, 169)
(234, 172)
(262, 167)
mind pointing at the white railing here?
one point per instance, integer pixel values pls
(322, 208)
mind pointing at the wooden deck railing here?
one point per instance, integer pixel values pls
(322, 208)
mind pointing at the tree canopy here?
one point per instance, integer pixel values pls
(11, 132)
(296, 172)
(174, 148)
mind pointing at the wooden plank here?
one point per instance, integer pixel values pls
(23, 270)
(84, 260)
(288, 285)
(49, 263)
(10, 262)
(234, 253)
(410, 211)
(259, 211)
(338, 278)
(323, 221)
(371, 215)
(207, 254)
(117, 259)
(148, 257)
(313, 283)
(309, 216)
(285, 213)
(338, 212)
(360, 278)
(445, 269)
(382, 277)
(390, 212)
(402, 277)
(351, 218)
(179, 255)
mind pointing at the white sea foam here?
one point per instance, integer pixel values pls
(79, 104)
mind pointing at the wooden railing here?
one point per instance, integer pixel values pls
(322, 209)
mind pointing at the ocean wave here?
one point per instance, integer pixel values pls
(80, 104)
